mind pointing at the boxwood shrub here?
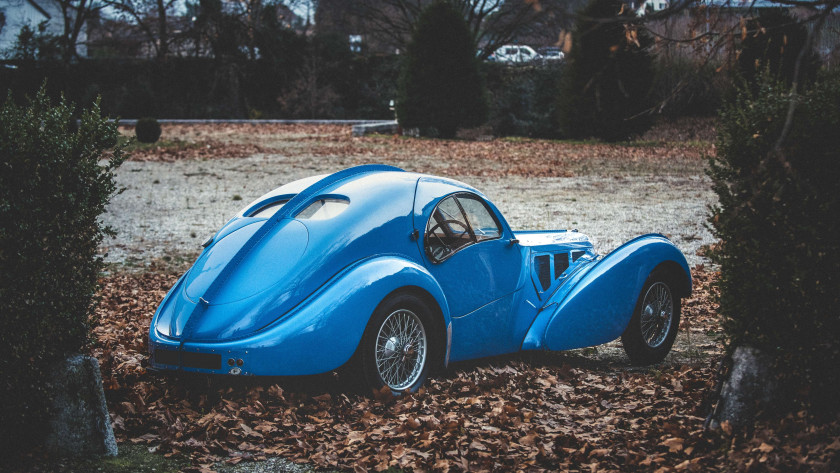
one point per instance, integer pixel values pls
(53, 189)
(778, 183)
(147, 130)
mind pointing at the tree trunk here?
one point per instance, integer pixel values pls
(163, 32)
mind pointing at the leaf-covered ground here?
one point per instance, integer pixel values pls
(585, 410)
(568, 411)
(301, 144)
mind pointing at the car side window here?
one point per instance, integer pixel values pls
(481, 221)
(447, 230)
(458, 221)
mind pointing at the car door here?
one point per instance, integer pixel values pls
(468, 250)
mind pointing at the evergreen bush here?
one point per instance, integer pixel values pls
(777, 221)
(605, 90)
(52, 193)
(523, 98)
(441, 88)
(147, 130)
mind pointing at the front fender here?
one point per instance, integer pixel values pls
(323, 331)
(599, 306)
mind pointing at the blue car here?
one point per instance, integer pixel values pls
(393, 274)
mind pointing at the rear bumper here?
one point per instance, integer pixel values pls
(200, 358)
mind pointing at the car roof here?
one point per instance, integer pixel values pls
(365, 181)
(368, 183)
(360, 182)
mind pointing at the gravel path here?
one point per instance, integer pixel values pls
(170, 208)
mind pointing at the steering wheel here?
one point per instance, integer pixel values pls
(439, 252)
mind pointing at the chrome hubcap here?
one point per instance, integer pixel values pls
(657, 314)
(401, 348)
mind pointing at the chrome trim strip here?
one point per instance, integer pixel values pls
(448, 344)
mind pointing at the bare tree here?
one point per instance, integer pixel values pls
(75, 14)
(152, 17)
(491, 22)
(158, 19)
(252, 15)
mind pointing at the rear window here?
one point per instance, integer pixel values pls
(323, 209)
(267, 211)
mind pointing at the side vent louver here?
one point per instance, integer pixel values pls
(561, 264)
(543, 267)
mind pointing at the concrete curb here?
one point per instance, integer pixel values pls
(190, 121)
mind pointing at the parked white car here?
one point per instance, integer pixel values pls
(515, 53)
(552, 53)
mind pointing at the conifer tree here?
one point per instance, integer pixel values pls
(441, 88)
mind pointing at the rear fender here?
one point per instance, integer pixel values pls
(323, 332)
(599, 306)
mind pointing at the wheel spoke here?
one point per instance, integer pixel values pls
(382, 360)
(388, 376)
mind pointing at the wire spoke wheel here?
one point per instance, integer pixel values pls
(401, 349)
(657, 314)
(652, 329)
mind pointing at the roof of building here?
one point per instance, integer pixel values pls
(39, 8)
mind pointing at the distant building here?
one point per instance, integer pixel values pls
(290, 19)
(15, 14)
(651, 6)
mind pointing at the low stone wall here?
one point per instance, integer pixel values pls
(387, 127)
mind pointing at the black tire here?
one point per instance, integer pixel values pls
(413, 352)
(652, 329)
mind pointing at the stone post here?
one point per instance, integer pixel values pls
(79, 423)
(750, 388)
